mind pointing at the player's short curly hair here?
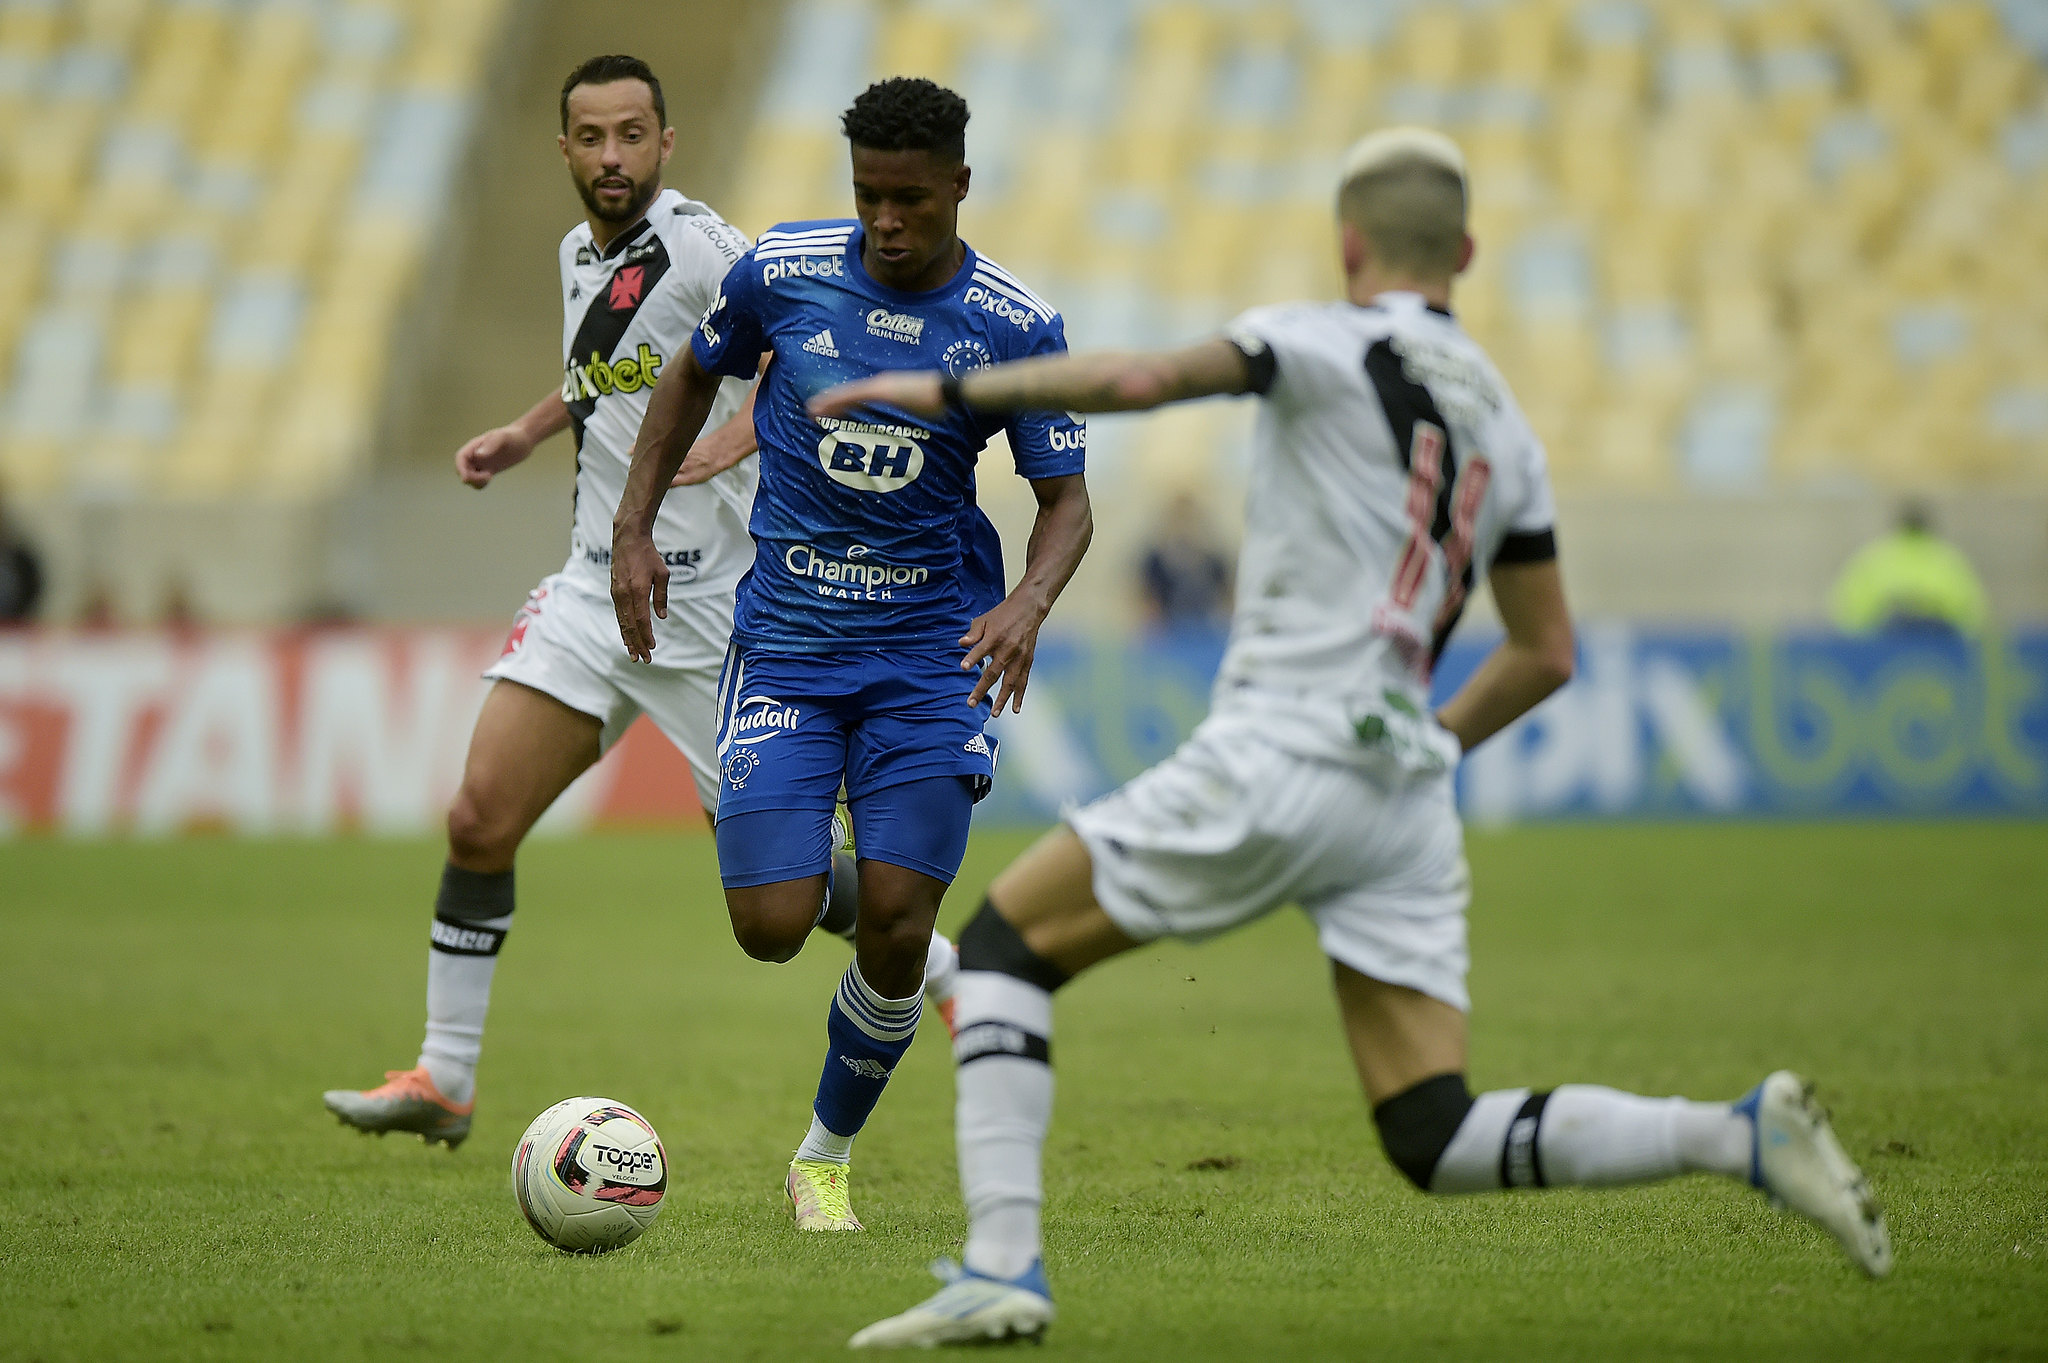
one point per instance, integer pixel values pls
(611, 67)
(908, 113)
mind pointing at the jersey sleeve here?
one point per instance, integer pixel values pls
(730, 338)
(705, 249)
(1047, 444)
(1278, 355)
(1531, 535)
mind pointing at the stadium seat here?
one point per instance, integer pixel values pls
(213, 152)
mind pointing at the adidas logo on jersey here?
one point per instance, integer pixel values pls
(821, 344)
(976, 744)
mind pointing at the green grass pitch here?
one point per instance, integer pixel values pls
(169, 1013)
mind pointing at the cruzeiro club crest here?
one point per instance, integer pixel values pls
(964, 356)
(739, 765)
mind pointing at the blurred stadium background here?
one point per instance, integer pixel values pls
(1757, 269)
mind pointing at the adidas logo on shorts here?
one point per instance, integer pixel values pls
(821, 344)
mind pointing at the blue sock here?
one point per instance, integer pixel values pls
(867, 1035)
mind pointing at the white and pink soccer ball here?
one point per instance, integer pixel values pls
(589, 1175)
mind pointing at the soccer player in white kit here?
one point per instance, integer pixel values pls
(637, 275)
(1391, 468)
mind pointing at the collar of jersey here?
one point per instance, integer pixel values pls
(860, 273)
(1407, 296)
(636, 231)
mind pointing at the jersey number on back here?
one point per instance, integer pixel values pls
(1442, 508)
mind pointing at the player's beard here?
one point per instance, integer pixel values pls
(636, 203)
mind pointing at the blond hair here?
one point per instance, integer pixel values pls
(1404, 190)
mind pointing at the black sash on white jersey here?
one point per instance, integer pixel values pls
(611, 312)
(1407, 402)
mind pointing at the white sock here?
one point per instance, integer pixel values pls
(821, 1144)
(1004, 1108)
(1584, 1135)
(458, 996)
(941, 968)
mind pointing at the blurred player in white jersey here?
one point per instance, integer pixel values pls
(636, 275)
(1391, 469)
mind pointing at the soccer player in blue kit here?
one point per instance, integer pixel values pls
(873, 628)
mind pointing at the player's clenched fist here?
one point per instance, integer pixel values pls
(486, 456)
(638, 575)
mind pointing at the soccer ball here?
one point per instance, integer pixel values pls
(589, 1175)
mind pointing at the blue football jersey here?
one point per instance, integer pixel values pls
(866, 529)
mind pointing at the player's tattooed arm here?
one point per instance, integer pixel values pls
(1098, 381)
(484, 457)
(1004, 642)
(676, 411)
(724, 447)
(1534, 660)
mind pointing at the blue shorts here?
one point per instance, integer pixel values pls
(793, 728)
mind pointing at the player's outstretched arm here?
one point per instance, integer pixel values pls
(1534, 660)
(721, 449)
(485, 456)
(1006, 638)
(1099, 381)
(676, 411)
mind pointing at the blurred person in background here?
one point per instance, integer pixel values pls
(1186, 572)
(21, 574)
(1911, 579)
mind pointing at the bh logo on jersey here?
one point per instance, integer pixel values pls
(871, 458)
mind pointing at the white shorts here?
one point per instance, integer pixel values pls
(1231, 827)
(565, 643)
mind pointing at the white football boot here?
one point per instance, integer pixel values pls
(1796, 1159)
(969, 1309)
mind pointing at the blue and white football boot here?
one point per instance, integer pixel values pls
(970, 1309)
(1796, 1160)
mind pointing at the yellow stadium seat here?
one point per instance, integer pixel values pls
(178, 63)
(1739, 330)
(30, 466)
(30, 30)
(23, 242)
(50, 152)
(159, 336)
(111, 23)
(1432, 43)
(1895, 77)
(1616, 69)
(1991, 84)
(1629, 445)
(1523, 43)
(781, 176)
(1339, 98)
(449, 49)
(917, 40)
(214, 454)
(1956, 30)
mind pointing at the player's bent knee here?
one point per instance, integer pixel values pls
(769, 926)
(1416, 1125)
(474, 836)
(990, 943)
(765, 941)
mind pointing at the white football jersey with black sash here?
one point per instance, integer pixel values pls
(1391, 468)
(627, 312)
